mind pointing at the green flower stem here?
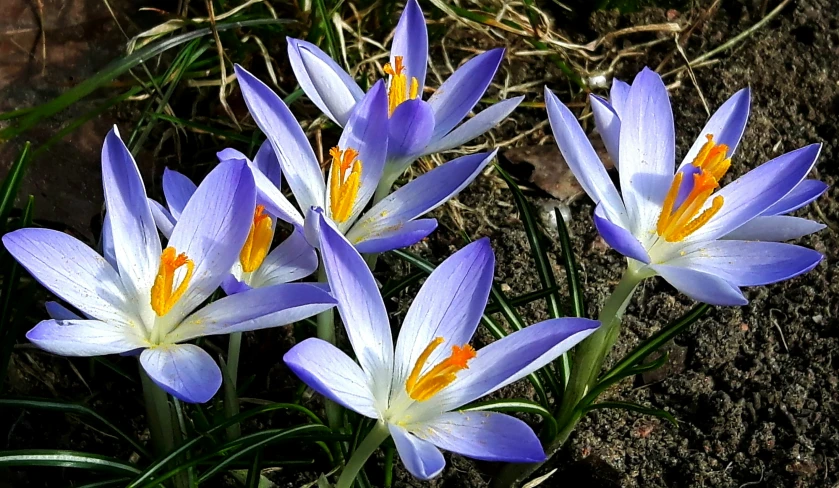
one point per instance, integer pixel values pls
(368, 446)
(160, 416)
(326, 331)
(231, 398)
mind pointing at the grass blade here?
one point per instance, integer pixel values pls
(64, 459)
(518, 406)
(11, 185)
(574, 287)
(634, 407)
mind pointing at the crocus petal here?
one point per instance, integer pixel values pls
(458, 95)
(107, 239)
(608, 125)
(268, 163)
(162, 219)
(212, 230)
(580, 156)
(73, 272)
(79, 337)
(136, 242)
(410, 129)
(410, 41)
(726, 125)
(748, 263)
(255, 309)
(361, 306)
(618, 95)
(233, 285)
(326, 84)
(449, 305)
(421, 458)
(701, 286)
(405, 235)
(474, 127)
(488, 436)
(291, 147)
(290, 261)
(647, 150)
(618, 238)
(514, 357)
(58, 311)
(774, 228)
(801, 195)
(177, 189)
(419, 197)
(753, 193)
(185, 371)
(330, 372)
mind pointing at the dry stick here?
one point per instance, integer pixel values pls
(693, 78)
(222, 92)
(703, 17)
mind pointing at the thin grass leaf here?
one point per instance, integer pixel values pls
(522, 300)
(203, 128)
(572, 275)
(254, 473)
(634, 407)
(391, 290)
(323, 26)
(517, 406)
(57, 458)
(107, 483)
(390, 452)
(603, 385)
(11, 185)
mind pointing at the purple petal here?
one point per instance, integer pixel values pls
(73, 272)
(185, 371)
(701, 286)
(135, 239)
(79, 337)
(487, 436)
(449, 305)
(410, 40)
(474, 127)
(212, 230)
(618, 238)
(259, 308)
(618, 95)
(458, 95)
(330, 372)
(292, 260)
(326, 84)
(753, 193)
(410, 129)
(268, 164)
(804, 193)
(162, 219)
(231, 285)
(177, 189)
(647, 150)
(57, 311)
(726, 125)
(582, 159)
(405, 235)
(608, 125)
(290, 144)
(420, 196)
(107, 238)
(421, 458)
(774, 228)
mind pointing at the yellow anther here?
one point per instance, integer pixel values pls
(712, 158)
(163, 297)
(421, 388)
(400, 89)
(258, 242)
(344, 181)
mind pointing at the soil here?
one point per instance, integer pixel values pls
(754, 388)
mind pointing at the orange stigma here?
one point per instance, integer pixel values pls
(399, 90)
(421, 388)
(258, 242)
(344, 181)
(163, 297)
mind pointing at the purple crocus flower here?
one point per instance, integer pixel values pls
(355, 171)
(256, 267)
(417, 127)
(415, 389)
(706, 243)
(143, 297)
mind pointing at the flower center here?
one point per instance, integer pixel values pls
(163, 296)
(258, 242)
(421, 388)
(399, 90)
(343, 182)
(682, 214)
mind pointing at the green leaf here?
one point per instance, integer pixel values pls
(523, 299)
(570, 264)
(9, 189)
(518, 406)
(107, 483)
(634, 407)
(64, 459)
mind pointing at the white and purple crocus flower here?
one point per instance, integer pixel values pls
(143, 296)
(355, 171)
(258, 266)
(704, 240)
(415, 389)
(418, 127)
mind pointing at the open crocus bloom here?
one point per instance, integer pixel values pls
(706, 243)
(140, 296)
(415, 389)
(417, 127)
(355, 171)
(256, 267)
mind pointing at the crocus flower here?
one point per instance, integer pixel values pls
(415, 389)
(143, 297)
(256, 267)
(417, 127)
(355, 171)
(680, 226)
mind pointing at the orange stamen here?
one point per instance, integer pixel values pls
(344, 181)
(421, 388)
(259, 240)
(163, 297)
(400, 88)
